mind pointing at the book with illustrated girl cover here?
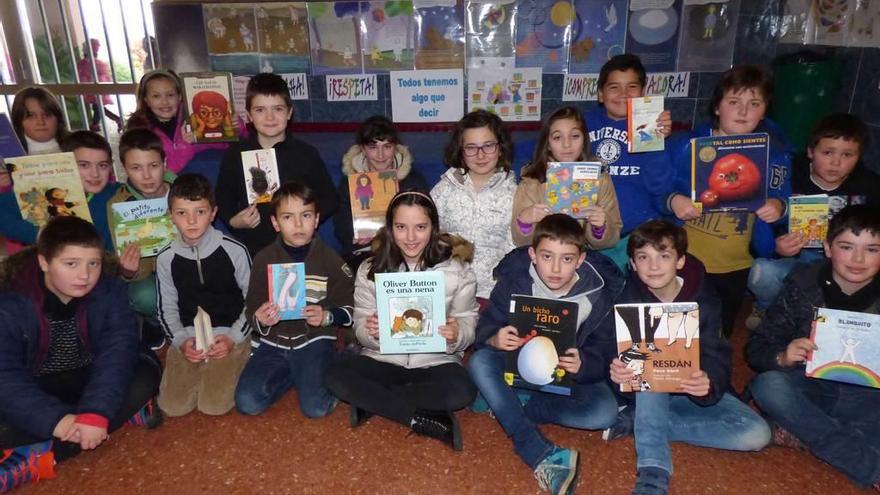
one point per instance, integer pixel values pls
(287, 289)
(729, 172)
(848, 347)
(809, 216)
(145, 222)
(660, 342)
(208, 101)
(370, 194)
(548, 328)
(261, 178)
(411, 308)
(641, 123)
(572, 187)
(47, 186)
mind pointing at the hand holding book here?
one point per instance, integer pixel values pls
(449, 331)
(790, 244)
(314, 315)
(221, 347)
(571, 361)
(130, 261)
(372, 326)
(506, 339)
(268, 314)
(796, 352)
(697, 384)
(247, 218)
(771, 211)
(189, 351)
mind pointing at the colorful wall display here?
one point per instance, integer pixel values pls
(388, 31)
(652, 32)
(512, 94)
(334, 37)
(489, 31)
(543, 34)
(439, 34)
(708, 32)
(599, 33)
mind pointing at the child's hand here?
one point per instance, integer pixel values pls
(130, 260)
(571, 361)
(595, 216)
(221, 347)
(664, 123)
(533, 214)
(771, 211)
(372, 326)
(268, 314)
(684, 208)
(247, 218)
(189, 351)
(187, 133)
(314, 315)
(5, 177)
(697, 385)
(507, 339)
(620, 373)
(790, 244)
(796, 352)
(64, 427)
(449, 331)
(88, 437)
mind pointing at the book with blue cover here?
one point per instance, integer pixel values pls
(729, 172)
(572, 187)
(9, 143)
(287, 289)
(411, 308)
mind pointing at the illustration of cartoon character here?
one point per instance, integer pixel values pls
(635, 361)
(375, 55)
(849, 349)
(409, 324)
(514, 92)
(685, 323)
(709, 23)
(348, 57)
(211, 117)
(364, 191)
(247, 37)
(260, 185)
(552, 199)
(216, 27)
(34, 206)
(58, 207)
(651, 318)
(288, 292)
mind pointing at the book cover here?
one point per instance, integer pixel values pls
(204, 330)
(9, 143)
(261, 178)
(729, 172)
(548, 328)
(287, 289)
(411, 307)
(209, 108)
(370, 194)
(572, 186)
(641, 122)
(145, 222)
(848, 347)
(48, 186)
(809, 215)
(660, 342)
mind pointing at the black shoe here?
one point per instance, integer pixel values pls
(154, 419)
(152, 336)
(358, 416)
(441, 425)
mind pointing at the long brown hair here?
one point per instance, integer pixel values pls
(538, 168)
(47, 102)
(141, 115)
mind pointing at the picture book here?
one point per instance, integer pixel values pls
(9, 143)
(370, 194)
(48, 186)
(145, 222)
(204, 330)
(572, 187)
(660, 342)
(439, 34)
(809, 215)
(261, 178)
(729, 172)
(548, 328)
(411, 308)
(287, 289)
(848, 347)
(209, 110)
(641, 123)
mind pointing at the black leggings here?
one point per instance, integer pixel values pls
(396, 392)
(731, 289)
(69, 386)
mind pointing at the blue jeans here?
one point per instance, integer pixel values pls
(271, 372)
(661, 418)
(590, 406)
(767, 276)
(836, 421)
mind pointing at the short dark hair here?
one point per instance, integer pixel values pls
(140, 139)
(61, 232)
(623, 62)
(662, 235)
(559, 227)
(266, 84)
(740, 78)
(840, 126)
(192, 187)
(855, 218)
(293, 189)
(454, 155)
(86, 139)
(537, 169)
(377, 128)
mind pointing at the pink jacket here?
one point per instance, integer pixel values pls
(178, 152)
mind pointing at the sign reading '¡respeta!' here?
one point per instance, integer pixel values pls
(427, 95)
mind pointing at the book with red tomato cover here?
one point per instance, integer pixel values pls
(729, 172)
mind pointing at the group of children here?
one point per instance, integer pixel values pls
(81, 321)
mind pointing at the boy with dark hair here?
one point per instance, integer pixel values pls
(831, 166)
(295, 353)
(641, 180)
(555, 266)
(269, 110)
(835, 421)
(202, 269)
(705, 413)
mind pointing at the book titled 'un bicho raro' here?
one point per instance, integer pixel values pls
(411, 308)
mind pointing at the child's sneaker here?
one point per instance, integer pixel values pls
(754, 319)
(784, 438)
(623, 427)
(149, 416)
(558, 472)
(652, 481)
(479, 405)
(28, 464)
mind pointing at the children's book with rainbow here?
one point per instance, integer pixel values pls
(411, 308)
(641, 123)
(660, 342)
(287, 289)
(261, 178)
(848, 347)
(145, 222)
(370, 194)
(572, 187)
(48, 186)
(809, 215)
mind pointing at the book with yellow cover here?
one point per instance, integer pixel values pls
(808, 215)
(48, 186)
(370, 194)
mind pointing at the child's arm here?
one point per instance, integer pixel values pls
(12, 226)
(464, 309)
(784, 322)
(169, 313)
(241, 260)
(364, 306)
(607, 235)
(340, 295)
(528, 209)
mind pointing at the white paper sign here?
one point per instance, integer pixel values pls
(580, 87)
(427, 95)
(585, 87)
(352, 87)
(297, 85)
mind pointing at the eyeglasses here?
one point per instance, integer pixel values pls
(486, 148)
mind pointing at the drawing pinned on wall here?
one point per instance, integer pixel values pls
(512, 94)
(708, 33)
(231, 34)
(439, 34)
(334, 37)
(489, 32)
(598, 33)
(388, 35)
(543, 34)
(284, 37)
(651, 33)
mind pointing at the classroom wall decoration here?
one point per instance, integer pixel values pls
(388, 32)
(651, 32)
(514, 94)
(439, 34)
(490, 33)
(599, 33)
(543, 34)
(335, 37)
(427, 95)
(708, 31)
